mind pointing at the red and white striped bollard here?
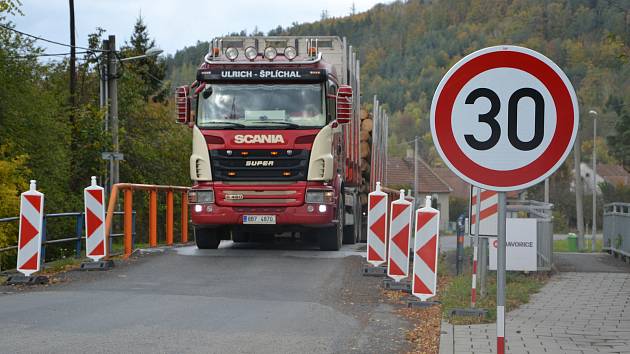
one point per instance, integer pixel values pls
(399, 235)
(425, 257)
(95, 245)
(377, 227)
(30, 235)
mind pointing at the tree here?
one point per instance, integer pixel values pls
(152, 70)
(619, 143)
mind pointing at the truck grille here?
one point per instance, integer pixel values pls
(259, 165)
(268, 196)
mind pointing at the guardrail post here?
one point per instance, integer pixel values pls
(43, 250)
(113, 195)
(128, 221)
(169, 217)
(79, 229)
(133, 229)
(184, 217)
(153, 218)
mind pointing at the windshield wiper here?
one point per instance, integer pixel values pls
(221, 122)
(291, 125)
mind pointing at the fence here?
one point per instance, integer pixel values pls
(544, 227)
(78, 238)
(617, 229)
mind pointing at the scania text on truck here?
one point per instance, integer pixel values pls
(275, 145)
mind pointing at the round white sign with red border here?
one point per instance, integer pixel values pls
(504, 118)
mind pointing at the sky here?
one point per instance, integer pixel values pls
(173, 24)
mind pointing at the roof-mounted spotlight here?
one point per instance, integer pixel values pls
(270, 53)
(290, 53)
(251, 53)
(231, 53)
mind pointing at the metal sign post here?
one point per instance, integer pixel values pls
(501, 275)
(473, 293)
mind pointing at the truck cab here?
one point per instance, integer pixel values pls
(271, 121)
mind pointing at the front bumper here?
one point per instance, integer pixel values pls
(214, 215)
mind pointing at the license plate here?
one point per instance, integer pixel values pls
(259, 219)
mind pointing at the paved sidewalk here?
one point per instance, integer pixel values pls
(573, 313)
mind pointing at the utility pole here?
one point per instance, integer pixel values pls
(415, 169)
(73, 58)
(577, 156)
(594, 222)
(103, 105)
(547, 190)
(73, 101)
(112, 89)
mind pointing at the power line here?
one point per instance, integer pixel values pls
(26, 56)
(49, 40)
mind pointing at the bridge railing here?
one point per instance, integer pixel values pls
(617, 229)
(127, 191)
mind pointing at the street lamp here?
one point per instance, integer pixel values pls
(109, 92)
(594, 223)
(151, 52)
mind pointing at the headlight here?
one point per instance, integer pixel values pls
(290, 53)
(231, 53)
(251, 53)
(201, 196)
(270, 53)
(319, 196)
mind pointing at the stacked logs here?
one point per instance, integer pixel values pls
(365, 151)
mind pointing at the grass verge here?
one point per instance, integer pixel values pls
(62, 265)
(563, 246)
(454, 292)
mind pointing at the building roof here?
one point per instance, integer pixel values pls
(400, 173)
(461, 189)
(613, 174)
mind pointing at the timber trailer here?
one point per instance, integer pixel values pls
(275, 146)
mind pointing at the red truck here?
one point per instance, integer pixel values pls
(275, 146)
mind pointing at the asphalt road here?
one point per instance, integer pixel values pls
(246, 298)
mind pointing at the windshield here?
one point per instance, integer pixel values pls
(227, 106)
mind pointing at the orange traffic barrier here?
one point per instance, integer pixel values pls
(184, 217)
(128, 189)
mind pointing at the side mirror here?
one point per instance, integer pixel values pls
(344, 104)
(182, 96)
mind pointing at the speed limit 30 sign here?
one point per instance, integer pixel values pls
(504, 118)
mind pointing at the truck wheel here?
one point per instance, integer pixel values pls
(348, 235)
(207, 239)
(330, 238)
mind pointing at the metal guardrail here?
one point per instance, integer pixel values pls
(617, 229)
(79, 232)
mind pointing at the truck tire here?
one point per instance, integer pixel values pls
(331, 238)
(207, 239)
(350, 231)
(348, 235)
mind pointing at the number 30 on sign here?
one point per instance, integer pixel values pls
(504, 118)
